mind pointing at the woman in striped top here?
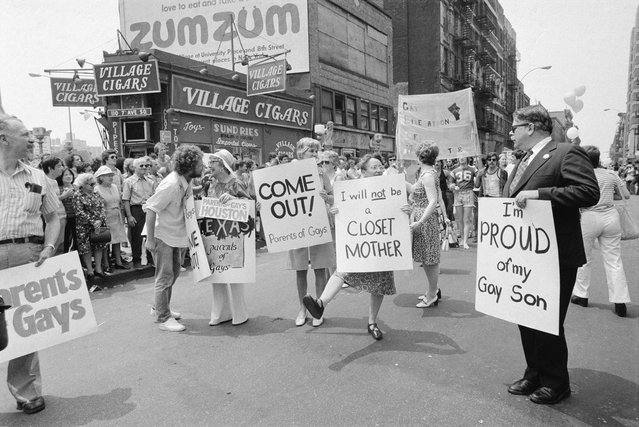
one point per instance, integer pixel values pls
(601, 223)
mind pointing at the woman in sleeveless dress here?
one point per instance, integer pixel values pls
(427, 199)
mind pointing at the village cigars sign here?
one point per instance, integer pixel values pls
(127, 78)
(518, 263)
(70, 93)
(50, 305)
(218, 101)
(204, 29)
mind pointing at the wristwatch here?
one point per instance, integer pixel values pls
(50, 246)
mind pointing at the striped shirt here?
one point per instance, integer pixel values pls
(20, 208)
(607, 181)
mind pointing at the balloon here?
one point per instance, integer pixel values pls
(570, 98)
(572, 133)
(578, 106)
(580, 90)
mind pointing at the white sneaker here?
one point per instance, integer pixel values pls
(182, 269)
(172, 325)
(174, 314)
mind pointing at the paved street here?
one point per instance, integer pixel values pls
(447, 365)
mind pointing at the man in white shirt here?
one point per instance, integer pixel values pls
(166, 229)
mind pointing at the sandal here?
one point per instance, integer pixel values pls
(374, 331)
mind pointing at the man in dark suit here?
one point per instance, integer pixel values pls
(561, 173)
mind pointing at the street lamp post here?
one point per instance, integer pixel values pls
(545, 67)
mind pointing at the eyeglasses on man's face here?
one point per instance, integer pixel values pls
(492, 160)
(145, 166)
(513, 128)
(113, 156)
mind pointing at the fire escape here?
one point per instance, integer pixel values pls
(468, 42)
(488, 90)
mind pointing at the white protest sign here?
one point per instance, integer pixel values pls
(50, 305)
(293, 212)
(229, 245)
(446, 119)
(518, 263)
(372, 232)
(234, 210)
(199, 262)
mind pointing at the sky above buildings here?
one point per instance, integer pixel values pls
(587, 42)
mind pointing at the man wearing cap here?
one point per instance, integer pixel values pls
(137, 190)
(166, 229)
(24, 198)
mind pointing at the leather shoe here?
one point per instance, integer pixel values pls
(549, 395)
(32, 406)
(375, 332)
(523, 387)
(579, 301)
(620, 309)
(313, 306)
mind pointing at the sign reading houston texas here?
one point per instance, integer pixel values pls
(50, 305)
(372, 232)
(292, 210)
(518, 263)
(228, 234)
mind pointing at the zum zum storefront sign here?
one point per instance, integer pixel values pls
(218, 101)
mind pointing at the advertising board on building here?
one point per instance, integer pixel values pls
(203, 29)
(66, 92)
(267, 77)
(214, 100)
(127, 78)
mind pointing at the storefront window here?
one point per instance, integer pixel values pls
(340, 109)
(327, 106)
(383, 119)
(364, 114)
(374, 118)
(351, 113)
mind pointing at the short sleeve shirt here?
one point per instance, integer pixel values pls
(464, 177)
(24, 196)
(168, 203)
(137, 190)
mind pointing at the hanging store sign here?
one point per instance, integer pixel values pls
(219, 101)
(127, 78)
(268, 77)
(129, 112)
(70, 93)
(211, 31)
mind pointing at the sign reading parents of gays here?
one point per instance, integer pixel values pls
(372, 232)
(445, 119)
(228, 233)
(293, 212)
(518, 264)
(49, 305)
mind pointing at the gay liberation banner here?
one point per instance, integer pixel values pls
(49, 305)
(203, 30)
(228, 233)
(199, 261)
(446, 119)
(293, 212)
(372, 232)
(518, 263)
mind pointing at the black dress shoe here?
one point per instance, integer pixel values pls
(374, 331)
(549, 395)
(32, 406)
(579, 301)
(620, 309)
(523, 387)
(313, 307)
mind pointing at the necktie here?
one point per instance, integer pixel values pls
(520, 171)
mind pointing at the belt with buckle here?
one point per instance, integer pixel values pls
(31, 239)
